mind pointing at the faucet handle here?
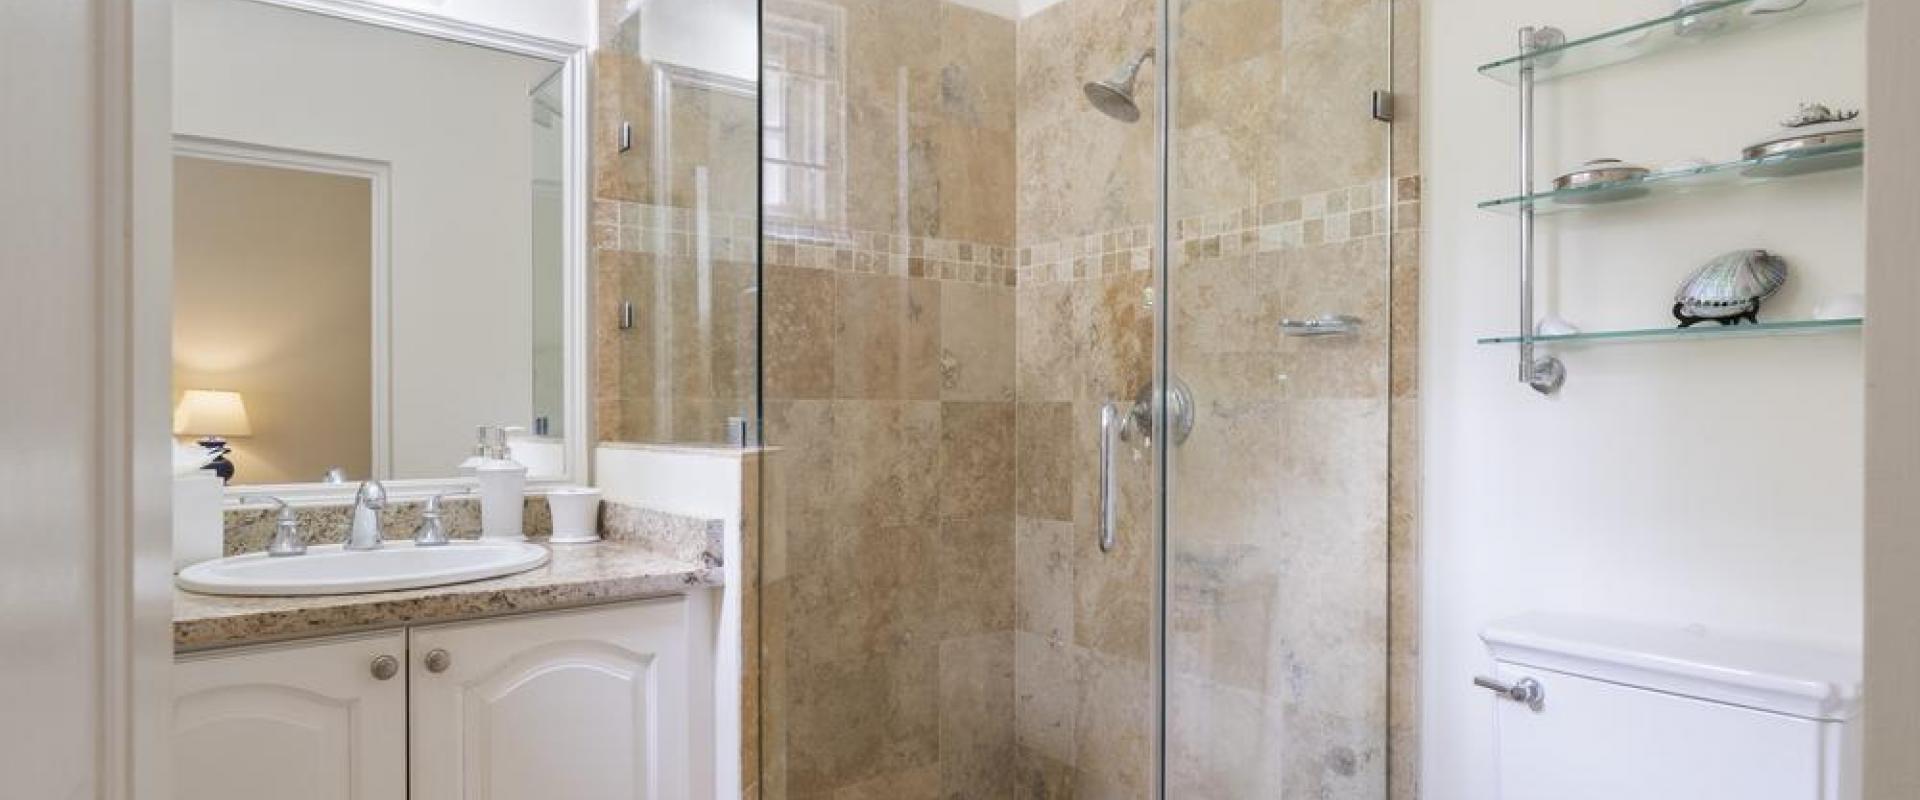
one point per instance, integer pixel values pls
(287, 540)
(433, 527)
(371, 494)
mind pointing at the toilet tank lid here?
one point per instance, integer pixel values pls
(1692, 661)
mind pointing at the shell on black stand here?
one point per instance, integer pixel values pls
(1730, 288)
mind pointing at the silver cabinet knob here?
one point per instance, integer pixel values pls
(438, 660)
(1526, 691)
(385, 667)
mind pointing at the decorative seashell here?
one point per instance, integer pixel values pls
(1730, 288)
(1815, 114)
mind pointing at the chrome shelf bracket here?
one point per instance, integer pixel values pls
(1545, 374)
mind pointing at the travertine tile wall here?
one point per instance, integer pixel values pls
(1084, 711)
(887, 591)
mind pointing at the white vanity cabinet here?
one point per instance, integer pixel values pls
(581, 704)
(306, 721)
(589, 703)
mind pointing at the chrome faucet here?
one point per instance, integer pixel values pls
(367, 503)
(287, 540)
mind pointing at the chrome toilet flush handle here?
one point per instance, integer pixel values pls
(1526, 691)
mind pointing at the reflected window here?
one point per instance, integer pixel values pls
(805, 85)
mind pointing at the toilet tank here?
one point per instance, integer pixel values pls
(1656, 713)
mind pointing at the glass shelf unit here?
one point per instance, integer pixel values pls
(1674, 31)
(1746, 171)
(1701, 331)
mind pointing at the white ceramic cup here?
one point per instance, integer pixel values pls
(576, 514)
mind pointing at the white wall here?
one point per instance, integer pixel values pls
(718, 36)
(453, 121)
(1893, 407)
(85, 587)
(569, 21)
(1709, 482)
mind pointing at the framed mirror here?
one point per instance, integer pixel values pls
(379, 245)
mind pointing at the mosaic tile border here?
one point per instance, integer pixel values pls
(1329, 217)
(872, 253)
(1333, 216)
(627, 227)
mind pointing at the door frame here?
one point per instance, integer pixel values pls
(379, 176)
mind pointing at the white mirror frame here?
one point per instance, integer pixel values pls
(576, 389)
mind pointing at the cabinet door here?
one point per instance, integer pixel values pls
(295, 722)
(586, 705)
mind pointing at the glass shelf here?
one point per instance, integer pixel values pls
(1680, 181)
(1705, 330)
(1707, 21)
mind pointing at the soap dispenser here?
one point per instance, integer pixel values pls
(503, 486)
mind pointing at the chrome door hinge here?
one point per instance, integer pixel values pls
(1383, 105)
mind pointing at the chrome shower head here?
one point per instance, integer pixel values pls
(1114, 96)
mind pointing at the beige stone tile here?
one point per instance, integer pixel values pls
(1047, 698)
(886, 337)
(976, 342)
(919, 783)
(976, 575)
(977, 76)
(1043, 578)
(976, 459)
(1038, 777)
(1406, 87)
(798, 345)
(869, 715)
(1051, 344)
(1113, 317)
(977, 716)
(1044, 460)
(882, 598)
(1405, 353)
(1113, 732)
(804, 489)
(886, 463)
(1403, 608)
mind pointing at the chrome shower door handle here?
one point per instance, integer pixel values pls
(1109, 424)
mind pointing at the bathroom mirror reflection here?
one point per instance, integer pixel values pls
(370, 246)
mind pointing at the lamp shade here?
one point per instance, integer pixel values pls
(208, 412)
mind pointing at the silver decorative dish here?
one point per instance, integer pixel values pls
(1597, 175)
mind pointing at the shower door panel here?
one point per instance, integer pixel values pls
(1277, 317)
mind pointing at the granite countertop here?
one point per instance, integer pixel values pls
(579, 574)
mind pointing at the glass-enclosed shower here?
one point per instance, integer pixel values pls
(1077, 344)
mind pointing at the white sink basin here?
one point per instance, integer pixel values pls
(328, 569)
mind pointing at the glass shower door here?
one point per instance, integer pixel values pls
(1277, 317)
